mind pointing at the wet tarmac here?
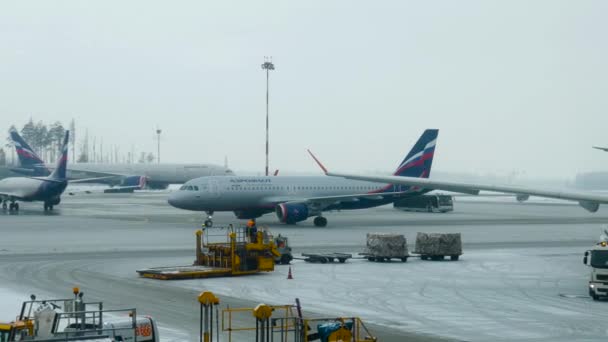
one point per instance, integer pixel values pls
(521, 277)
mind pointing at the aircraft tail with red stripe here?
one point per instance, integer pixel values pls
(418, 162)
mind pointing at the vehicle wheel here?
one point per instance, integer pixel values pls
(371, 259)
(404, 259)
(341, 260)
(454, 257)
(323, 260)
(320, 221)
(16, 206)
(424, 257)
(595, 297)
(208, 223)
(11, 206)
(51, 207)
(285, 259)
(4, 205)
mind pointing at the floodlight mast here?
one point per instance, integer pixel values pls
(267, 66)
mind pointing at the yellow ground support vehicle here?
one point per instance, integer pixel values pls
(223, 252)
(268, 323)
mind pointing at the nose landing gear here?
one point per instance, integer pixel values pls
(209, 221)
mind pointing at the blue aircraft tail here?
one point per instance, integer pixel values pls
(28, 159)
(59, 172)
(418, 162)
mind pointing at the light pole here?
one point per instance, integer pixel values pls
(267, 66)
(158, 131)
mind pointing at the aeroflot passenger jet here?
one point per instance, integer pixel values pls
(295, 199)
(46, 189)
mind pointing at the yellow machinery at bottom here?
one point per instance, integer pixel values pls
(270, 323)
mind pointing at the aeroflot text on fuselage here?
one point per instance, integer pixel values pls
(249, 180)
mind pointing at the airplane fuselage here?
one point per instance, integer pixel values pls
(264, 193)
(158, 175)
(30, 189)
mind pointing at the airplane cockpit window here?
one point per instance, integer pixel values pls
(183, 187)
(196, 188)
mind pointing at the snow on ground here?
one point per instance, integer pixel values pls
(510, 294)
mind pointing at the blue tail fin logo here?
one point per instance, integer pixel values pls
(62, 163)
(27, 157)
(418, 162)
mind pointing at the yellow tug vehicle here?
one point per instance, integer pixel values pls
(222, 252)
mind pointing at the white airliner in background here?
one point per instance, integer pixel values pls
(295, 199)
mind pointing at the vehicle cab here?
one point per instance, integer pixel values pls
(597, 259)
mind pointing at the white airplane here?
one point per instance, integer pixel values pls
(46, 189)
(296, 198)
(589, 200)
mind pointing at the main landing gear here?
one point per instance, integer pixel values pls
(48, 206)
(209, 221)
(13, 206)
(320, 221)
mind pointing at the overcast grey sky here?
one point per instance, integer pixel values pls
(512, 85)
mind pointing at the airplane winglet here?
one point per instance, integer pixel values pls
(318, 162)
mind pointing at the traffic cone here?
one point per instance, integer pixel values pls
(289, 276)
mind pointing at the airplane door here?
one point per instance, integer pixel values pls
(214, 188)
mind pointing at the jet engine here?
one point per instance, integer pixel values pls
(589, 205)
(292, 213)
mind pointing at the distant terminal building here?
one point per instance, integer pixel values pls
(592, 180)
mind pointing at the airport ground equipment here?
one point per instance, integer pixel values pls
(221, 252)
(326, 257)
(436, 246)
(74, 320)
(282, 323)
(385, 246)
(597, 259)
(282, 245)
(433, 203)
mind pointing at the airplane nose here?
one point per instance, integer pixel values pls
(174, 201)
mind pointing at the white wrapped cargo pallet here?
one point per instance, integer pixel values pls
(384, 246)
(438, 245)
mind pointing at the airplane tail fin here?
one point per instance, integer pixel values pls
(28, 159)
(62, 162)
(418, 162)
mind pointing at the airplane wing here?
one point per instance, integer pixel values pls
(587, 200)
(325, 201)
(601, 148)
